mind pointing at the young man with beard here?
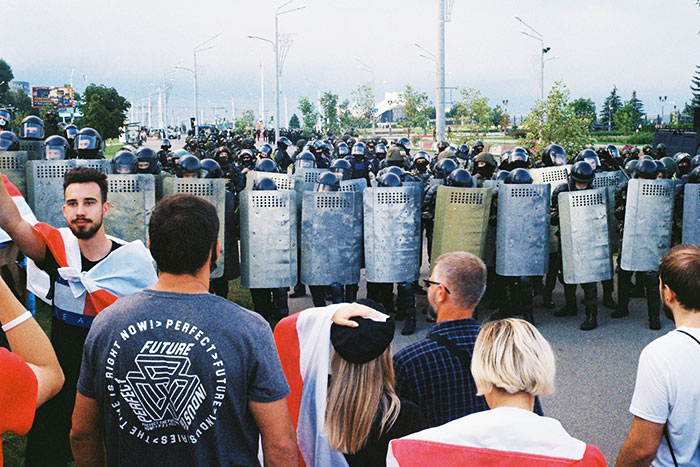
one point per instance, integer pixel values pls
(79, 271)
(665, 429)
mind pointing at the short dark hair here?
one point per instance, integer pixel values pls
(465, 275)
(86, 175)
(183, 231)
(680, 271)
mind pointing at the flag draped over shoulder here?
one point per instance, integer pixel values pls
(24, 210)
(82, 295)
(304, 346)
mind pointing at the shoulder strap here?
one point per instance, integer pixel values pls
(461, 354)
(689, 335)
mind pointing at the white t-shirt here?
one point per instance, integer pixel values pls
(668, 388)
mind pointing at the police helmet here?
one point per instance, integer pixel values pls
(71, 131)
(444, 167)
(518, 158)
(442, 145)
(661, 170)
(148, 162)
(479, 144)
(389, 180)
(305, 160)
(519, 177)
(31, 127)
(88, 144)
(694, 175)
(502, 175)
(245, 154)
(398, 171)
(165, 145)
(645, 169)
(462, 152)
(188, 166)
(327, 181)
(590, 156)
(124, 162)
(342, 149)
(553, 155)
(55, 148)
(266, 165)
(264, 184)
(646, 157)
(284, 142)
(404, 143)
(695, 162)
(380, 151)
(459, 178)
(8, 141)
(581, 172)
(359, 149)
(5, 118)
(631, 166)
(266, 149)
(343, 168)
(613, 151)
(671, 167)
(210, 169)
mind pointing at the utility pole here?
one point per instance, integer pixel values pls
(440, 72)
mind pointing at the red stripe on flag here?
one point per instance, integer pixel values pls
(54, 240)
(287, 341)
(419, 453)
(97, 301)
(11, 188)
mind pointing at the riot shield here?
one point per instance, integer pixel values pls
(45, 186)
(691, 214)
(282, 180)
(304, 180)
(132, 199)
(461, 220)
(356, 184)
(212, 190)
(522, 243)
(493, 184)
(13, 164)
(392, 234)
(328, 253)
(553, 176)
(648, 218)
(268, 239)
(584, 229)
(610, 181)
(435, 181)
(33, 147)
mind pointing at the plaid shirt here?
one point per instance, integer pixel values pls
(429, 375)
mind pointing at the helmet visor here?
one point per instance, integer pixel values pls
(5, 144)
(593, 161)
(558, 159)
(32, 130)
(86, 142)
(304, 164)
(53, 153)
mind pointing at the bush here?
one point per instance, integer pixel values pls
(636, 138)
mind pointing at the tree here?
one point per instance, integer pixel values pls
(104, 110)
(6, 76)
(414, 104)
(638, 107)
(245, 122)
(554, 121)
(496, 116)
(695, 87)
(294, 121)
(584, 108)
(329, 104)
(611, 105)
(474, 112)
(625, 119)
(308, 114)
(363, 104)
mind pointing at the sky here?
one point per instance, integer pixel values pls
(649, 46)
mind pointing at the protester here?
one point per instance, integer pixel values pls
(434, 373)
(174, 375)
(363, 412)
(512, 364)
(665, 428)
(30, 374)
(78, 270)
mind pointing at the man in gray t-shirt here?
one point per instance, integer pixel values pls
(179, 376)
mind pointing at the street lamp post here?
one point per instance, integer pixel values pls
(194, 80)
(662, 100)
(543, 51)
(365, 67)
(198, 49)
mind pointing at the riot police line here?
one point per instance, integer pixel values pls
(318, 214)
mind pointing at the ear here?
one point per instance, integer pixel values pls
(667, 293)
(105, 208)
(218, 251)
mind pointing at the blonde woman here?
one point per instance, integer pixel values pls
(363, 412)
(511, 365)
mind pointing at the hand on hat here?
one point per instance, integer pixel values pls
(342, 316)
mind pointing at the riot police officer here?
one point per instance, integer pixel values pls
(266, 165)
(188, 167)
(55, 148)
(281, 156)
(88, 144)
(305, 160)
(442, 170)
(5, 119)
(360, 165)
(8, 141)
(342, 168)
(580, 178)
(421, 163)
(246, 162)
(477, 148)
(483, 168)
(165, 147)
(51, 127)
(646, 169)
(148, 162)
(124, 163)
(384, 292)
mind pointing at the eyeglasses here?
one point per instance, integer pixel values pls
(428, 283)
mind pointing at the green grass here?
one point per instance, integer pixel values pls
(13, 445)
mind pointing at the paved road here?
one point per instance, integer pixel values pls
(595, 370)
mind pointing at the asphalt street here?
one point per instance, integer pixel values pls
(595, 369)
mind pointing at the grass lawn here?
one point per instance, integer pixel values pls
(13, 445)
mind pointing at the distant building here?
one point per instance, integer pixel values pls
(390, 110)
(23, 85)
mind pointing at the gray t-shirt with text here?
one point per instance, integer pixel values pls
(173, 375)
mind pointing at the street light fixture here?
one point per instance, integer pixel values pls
(662, 100)
(543, 50)
(200, 48)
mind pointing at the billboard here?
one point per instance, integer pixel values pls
(58, 96)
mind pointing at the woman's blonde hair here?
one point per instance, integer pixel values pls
(512, 355)
(358, 394)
